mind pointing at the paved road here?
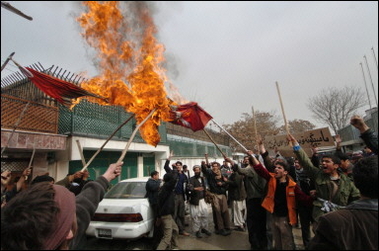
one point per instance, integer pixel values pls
(235, 241)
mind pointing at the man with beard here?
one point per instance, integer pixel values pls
(245, 162)
(198, 206)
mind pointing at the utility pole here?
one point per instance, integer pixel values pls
(364, 78)
(372, 83)
(376, 61)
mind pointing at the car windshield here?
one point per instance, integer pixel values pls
(127, 190)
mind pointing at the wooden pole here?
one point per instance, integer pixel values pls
(7, 61)
(281, 104)
(31, 160)
(109, 138)
(209, 136)
(255, 126)
(81, 153)
(9, 7)
(244, 148)
(23, 70)
(15, 127)
(133, 135)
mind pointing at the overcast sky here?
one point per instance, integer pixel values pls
(226, 56)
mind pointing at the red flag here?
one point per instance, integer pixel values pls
(56, 88)
(190, 115)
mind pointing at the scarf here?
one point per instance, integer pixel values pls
(65, 218)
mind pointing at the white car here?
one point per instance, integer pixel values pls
(124, 213)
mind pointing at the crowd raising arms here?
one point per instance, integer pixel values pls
(50, 217)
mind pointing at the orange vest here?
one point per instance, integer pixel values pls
(268, 201)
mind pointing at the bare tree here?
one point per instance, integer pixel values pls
(297, 126)
(244, 129)
(336, 106)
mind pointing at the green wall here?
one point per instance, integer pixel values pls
(102, 161)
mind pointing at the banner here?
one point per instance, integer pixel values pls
(317, 138)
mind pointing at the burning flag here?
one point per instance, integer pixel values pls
(58, 89)
(130, 61)
(190, 115)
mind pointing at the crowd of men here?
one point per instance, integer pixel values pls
(269, 197)
(264, 195)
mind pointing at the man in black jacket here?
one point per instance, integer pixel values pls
(152, 188)
(166, 209)
(218, 187)
(180, 193)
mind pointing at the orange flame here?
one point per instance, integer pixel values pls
(129, 58)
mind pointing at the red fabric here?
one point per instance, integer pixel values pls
(190, 115)
(58, 89)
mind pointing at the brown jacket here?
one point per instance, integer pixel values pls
(352, 228)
